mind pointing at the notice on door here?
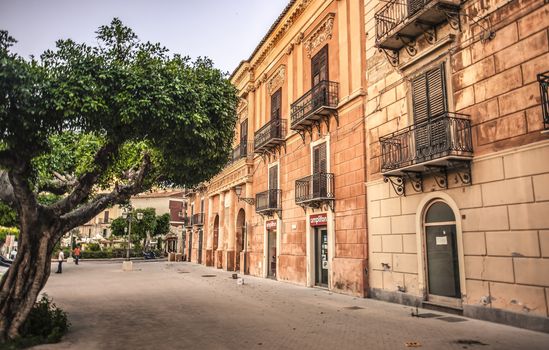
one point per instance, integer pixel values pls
(442, 240)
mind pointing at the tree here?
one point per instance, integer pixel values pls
(96, 125)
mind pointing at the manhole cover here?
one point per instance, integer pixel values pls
(208, 275)
(452, 319)
(428, 315)
(354, 308)
(183, 272)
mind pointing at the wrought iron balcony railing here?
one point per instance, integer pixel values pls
(268, 201)
(270, 135)
(443, 137)
(400, 21)
(242, 150)
(198, 219)
(314, 188)
(543, 79)
(315, 104)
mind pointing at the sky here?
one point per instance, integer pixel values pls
(227, 31)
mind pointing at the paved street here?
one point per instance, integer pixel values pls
(165, 305)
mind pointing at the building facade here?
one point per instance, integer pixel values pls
(458, 156)
(291, 205)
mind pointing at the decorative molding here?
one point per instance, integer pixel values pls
(283, 29)
(277, 80)
(322, 33)
(290, 49)
(242, 104)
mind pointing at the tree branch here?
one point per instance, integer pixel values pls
(60, 185)
(119, 194)
(86, 182)
(7, 158)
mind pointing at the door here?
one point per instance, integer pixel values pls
(276, 110)
(273, 187)
(319, 171)
(190, 245)
(319, 74)
(441, 252)
(271, 257)
(183, 242)
(199, 246)
(321, 257)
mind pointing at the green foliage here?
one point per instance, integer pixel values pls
(118, 225)
(8, 216)
(162, 225)
(5, 231)
(46, 324)
(94, 247)
(59, 110)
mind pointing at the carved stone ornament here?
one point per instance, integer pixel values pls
(321, 34)
(277, 80)
(290, 49)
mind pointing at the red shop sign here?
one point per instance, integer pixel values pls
(271, 225)
(318, 220)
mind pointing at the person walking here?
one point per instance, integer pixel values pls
(60, 259)
(76, 254)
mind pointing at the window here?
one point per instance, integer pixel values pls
(273, 186)
(319, 66)
(106, 217)
(319, 171)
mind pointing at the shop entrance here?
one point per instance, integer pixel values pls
(321, 256)
(271, 254)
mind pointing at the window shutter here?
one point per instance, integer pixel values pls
(276, 104)
(436, 87)
(419, 99)
(244, 130)
(273, 177)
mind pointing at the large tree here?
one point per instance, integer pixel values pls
(96, 125)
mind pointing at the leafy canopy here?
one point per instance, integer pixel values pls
(126, 96)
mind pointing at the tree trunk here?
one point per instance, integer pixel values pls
(20, 286)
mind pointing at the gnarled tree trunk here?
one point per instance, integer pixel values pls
(25, 279)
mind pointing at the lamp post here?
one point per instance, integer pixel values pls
(127, 214)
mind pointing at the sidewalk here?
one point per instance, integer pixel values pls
(188, 306)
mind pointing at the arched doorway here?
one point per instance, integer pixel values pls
(240, 236)
(441, 253)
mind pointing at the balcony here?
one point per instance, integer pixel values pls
(399, 22)
(198, 219)
(433, 147)
(317, 105)
(315, 190)
(188, 221)
(268, 202)
(271, 136)
(543, 79)
(242, 150)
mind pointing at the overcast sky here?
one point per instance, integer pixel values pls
(227, 31)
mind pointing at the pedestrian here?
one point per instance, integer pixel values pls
(60, 259)
(76, 254)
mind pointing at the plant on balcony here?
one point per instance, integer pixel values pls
(122, 116)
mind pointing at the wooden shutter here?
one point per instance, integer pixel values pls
(244, 131)
(320, 167)
(106, 217)
(429, 101)
(436, 88)
(319, 66)
(273, 177)
(276, 103)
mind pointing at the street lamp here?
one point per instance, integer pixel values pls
(238, 190)
(127, 214)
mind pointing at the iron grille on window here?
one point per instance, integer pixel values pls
(446, 135)
(274, 130)
(198, 219)
(268, 200)
(543, 79)
(324, 94)
(314, 187)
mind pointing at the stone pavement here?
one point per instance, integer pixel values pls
(165, 305)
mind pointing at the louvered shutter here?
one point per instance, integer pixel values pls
(273, 186)
(429, 102)
(276, 102)
(319, 170)
(244, 138)
(414, 6)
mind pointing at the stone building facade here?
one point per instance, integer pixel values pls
(291, 205)
(458, 156)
